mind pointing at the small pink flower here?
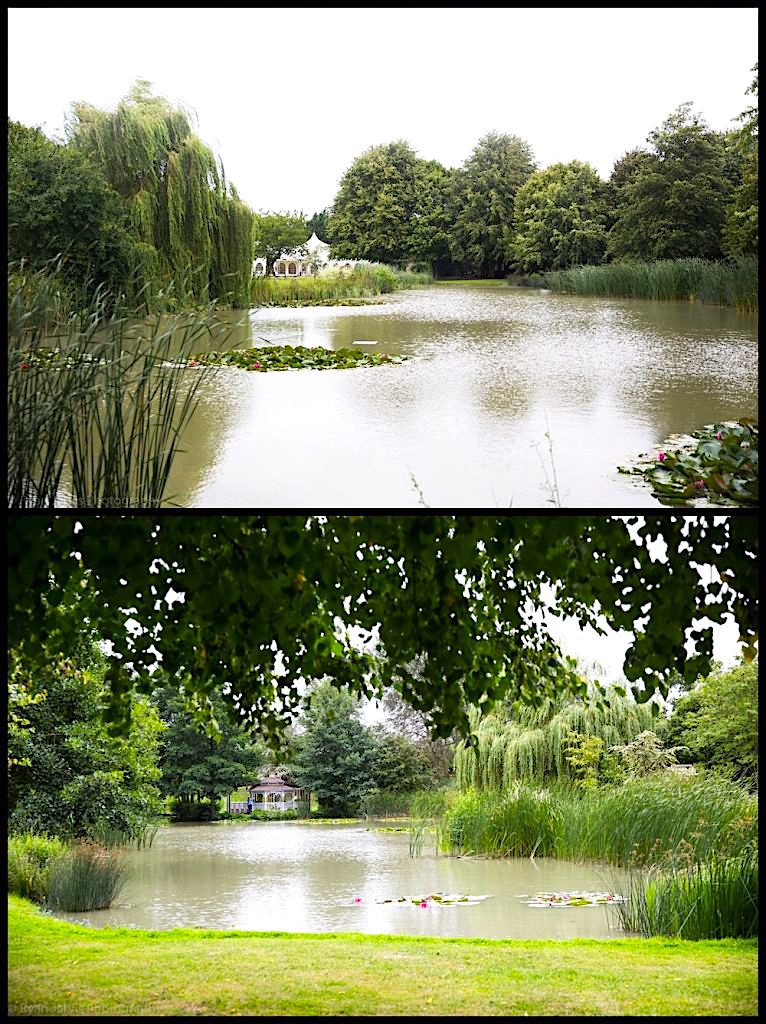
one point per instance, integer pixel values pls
(424, 904)
(25, 366)
(255, 366)
(357, 899)
(661, 456)
(699, 483)
(719, 436)
(193, 362)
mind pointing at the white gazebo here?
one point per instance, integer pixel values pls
(310, 259)
(274, 794)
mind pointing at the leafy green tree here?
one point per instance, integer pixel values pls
(318, 224)
(337, 756)
(402, 719)
(196, 767)
(400, 765)
(70, 776)
(275, 234)
(583, 754)
(646, 754)
(60, 204)
(675, 204)
(431, 219)
(560, 216)
(515, 742)
(457, 601)
(718, 720)
(485, 194)
(192, 232)
(741, 228)
(376, 201)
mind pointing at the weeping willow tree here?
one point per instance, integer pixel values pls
(192, 231)
(522, 742)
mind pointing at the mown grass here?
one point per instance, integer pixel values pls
(731, 283)
(60, 969)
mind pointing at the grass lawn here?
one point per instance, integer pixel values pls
(62, 969)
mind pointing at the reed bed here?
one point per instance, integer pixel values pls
(363, 281)
(729, 283)
(715, 899)
(643, 822)
(96, 405)
(85, 877)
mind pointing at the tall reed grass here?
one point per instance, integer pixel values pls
(97, 404)
(731, 283)
(363, 281)
(86, 877)
(643, 822)
(714, 899)
(386, 805)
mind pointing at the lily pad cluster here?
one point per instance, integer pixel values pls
(718, 463)
(46, 356)
(293, 357)
(573, 899)
(441, 899)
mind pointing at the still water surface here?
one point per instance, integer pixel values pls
(290, 876)
(463, 421)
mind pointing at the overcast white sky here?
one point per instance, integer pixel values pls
(289, 98)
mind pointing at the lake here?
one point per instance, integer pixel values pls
(463, 423)
(292, 876)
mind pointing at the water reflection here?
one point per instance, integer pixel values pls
(290, 876)
(491, 371)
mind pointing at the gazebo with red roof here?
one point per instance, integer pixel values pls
(274, 794)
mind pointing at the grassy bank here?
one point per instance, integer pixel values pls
(733, 283)
(363, 282)
(60, 969)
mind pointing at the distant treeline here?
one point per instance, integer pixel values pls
(140, 207)
(692, 192)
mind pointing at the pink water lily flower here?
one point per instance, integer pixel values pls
(357, 899)
(256, 366)
(424, 904)
(699, 483)
(719, 436)
(25, 366)
(193, 362)
(661, 456)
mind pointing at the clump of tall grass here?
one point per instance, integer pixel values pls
(142, 837)
(365, 280)
(729, 283)
(713, 899)
(85, 877)
(29, 863)
(517, 823)
(386, 804)
(96, 403)
(645, 820)
(642, 822)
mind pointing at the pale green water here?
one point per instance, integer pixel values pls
(491, 371)
(290, 876)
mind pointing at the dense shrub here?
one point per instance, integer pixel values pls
(29, 863)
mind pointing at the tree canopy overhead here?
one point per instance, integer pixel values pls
(271, 600)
